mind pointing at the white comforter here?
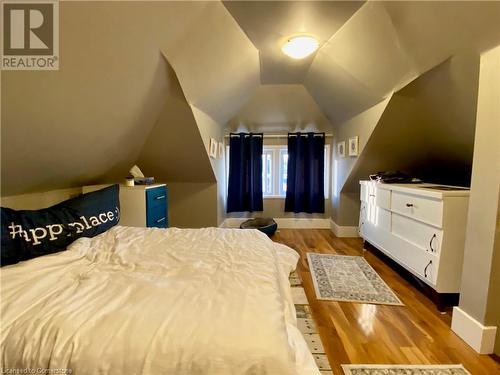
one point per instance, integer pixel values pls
(155, 301)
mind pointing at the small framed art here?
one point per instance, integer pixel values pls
(341, 149)
(353, 146)
(212, 151)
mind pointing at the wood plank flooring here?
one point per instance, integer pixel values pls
(416, 333)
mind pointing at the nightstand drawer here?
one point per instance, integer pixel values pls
(156, 197)
(157, 216)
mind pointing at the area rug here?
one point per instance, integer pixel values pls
(405, 370)
(307, 326)
(348, 279)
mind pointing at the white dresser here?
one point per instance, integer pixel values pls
(420, 227)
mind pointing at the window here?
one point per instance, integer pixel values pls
(274, 170)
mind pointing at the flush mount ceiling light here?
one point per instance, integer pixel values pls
(299, 47)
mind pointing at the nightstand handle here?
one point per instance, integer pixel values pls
(160, 220)
(160, 197)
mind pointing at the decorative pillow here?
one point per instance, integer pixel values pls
(30, 234)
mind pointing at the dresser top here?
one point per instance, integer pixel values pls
(90, 188)
(424, 189)
(141, 187)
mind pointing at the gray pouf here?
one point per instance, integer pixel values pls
(266, 225)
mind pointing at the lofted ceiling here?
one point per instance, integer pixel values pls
(277, 108)
(111, 103)
(269, 24)
(99, 114)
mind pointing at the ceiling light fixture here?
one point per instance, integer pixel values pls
(300, 46)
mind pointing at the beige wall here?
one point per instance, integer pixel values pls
(345, 206)
(192, 205)
(209, 128)
(36, 201)
(479, 296)
(275, 207)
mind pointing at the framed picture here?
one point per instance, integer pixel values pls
(353, 146)
(221, 149)
(212, 151)
(341, 149)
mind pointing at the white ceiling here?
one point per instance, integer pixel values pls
(269, 24)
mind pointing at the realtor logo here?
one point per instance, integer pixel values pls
(30, 35)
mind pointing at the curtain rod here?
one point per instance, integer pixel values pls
(278, 135)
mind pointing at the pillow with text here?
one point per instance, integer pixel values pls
(28, 234)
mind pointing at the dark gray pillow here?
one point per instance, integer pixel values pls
(29, 234)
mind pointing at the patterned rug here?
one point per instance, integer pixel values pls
(348, 279)
(307, 326)
(405, 370)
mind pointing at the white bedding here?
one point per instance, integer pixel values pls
(154, 301)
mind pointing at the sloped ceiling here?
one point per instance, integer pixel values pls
(216, 63)
(275, 108)
(359, 65)
(386, 45)
(174, 147)
(427, 128)
(270, 23)
(96, 116)
(89, 121)
(431, 31)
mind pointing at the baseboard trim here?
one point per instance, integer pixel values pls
(283, 222)
(232, 222)
(479, 337)
(343, 231)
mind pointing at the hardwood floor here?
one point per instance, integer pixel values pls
(416, 333)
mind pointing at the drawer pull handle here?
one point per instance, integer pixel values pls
(427, 266)
(160, 220)
(430, 242)
(371, 195)
(160, 197)
(409, 204)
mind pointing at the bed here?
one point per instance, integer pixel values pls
(154, 301)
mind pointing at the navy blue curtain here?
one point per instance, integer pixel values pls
(245, 172)
(305, 181)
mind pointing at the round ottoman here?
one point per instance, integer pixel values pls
(265, 224)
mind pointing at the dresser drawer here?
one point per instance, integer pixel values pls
(426, 237)
(420, 208)
(157, 217)
(378, 217)
(364, 193)
(374, 195)
(420, 262)
(156, 196)
(383, 198)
